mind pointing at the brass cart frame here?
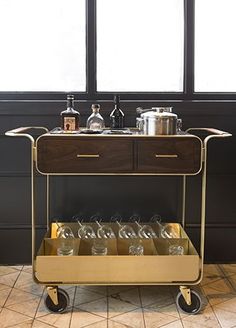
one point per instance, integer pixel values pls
(39, 262)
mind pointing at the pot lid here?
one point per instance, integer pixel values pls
(160, 114)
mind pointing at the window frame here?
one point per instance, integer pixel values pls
(188, 93)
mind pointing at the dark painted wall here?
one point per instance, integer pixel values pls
(145, 195)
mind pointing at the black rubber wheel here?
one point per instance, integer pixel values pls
(195, 305)
(63, 302)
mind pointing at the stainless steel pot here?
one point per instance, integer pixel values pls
(158, 122)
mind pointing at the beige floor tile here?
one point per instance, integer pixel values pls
(113, 324)
(4, 269)
(227, 319)
(130, 296)
(117, 307)
(97, 289)
(2, 287)
(155, 294)
(27, 324)
(205, 318)
(100, 324)
(118, 289)
(59, 320)
(11, 318)
(25, 282)
(81, 319)
(28, 307)
(189, 324)
(175, 324)
(228, 269)
(84, 296)
(211, 273)
(4, 295)
(170, 309)
(27, 268)
(18, 296)
(154, 319)
(38, 324)
(218, 292)
(10, 278)
(16, 267)
(229, 305)
(232, 280)
(132, 319)
(98, 307)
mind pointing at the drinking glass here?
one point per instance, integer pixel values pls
(176, 250)
(104, 231)
(166, 230)
(85, 231)
(65, 247)
(145, 231)
(126, 231)
(136, 247)
(99, 247)
(64, 231)
(65, 235)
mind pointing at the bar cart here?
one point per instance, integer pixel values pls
(183, 154)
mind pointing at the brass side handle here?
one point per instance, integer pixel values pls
(87, 155)
(166, 155)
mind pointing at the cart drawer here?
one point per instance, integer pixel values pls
(169, 155)
(85, 155)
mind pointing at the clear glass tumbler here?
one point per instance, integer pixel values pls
(99, 247)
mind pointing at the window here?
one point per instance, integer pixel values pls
(215, 51)
(42, 45)
(140, 45)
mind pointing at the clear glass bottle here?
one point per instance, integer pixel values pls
(117, 116)
(70, 117)
(95, 120)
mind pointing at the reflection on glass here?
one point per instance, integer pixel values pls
(104, 231)
(99, 247)
(176, 250)
(126, 231)
(136, 248)
(85, 231)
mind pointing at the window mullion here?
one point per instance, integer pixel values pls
(189, 49)
(91, 73)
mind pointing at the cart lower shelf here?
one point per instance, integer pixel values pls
(156, 266)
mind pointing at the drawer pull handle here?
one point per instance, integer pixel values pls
(87, 155)
(166, 156)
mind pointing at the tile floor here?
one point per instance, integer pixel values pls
(22, 305)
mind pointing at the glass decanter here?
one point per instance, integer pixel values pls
(166, 230)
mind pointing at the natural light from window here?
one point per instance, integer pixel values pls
(140, 45)
(215, 48)
(42, 45)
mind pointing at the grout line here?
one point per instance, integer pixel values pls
(141, 303)
(72, 307)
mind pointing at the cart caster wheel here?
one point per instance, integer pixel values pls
(63, 302)
(195, 305)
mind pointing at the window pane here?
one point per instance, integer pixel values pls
(140, 45)
(42, 45)
(215, 51)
